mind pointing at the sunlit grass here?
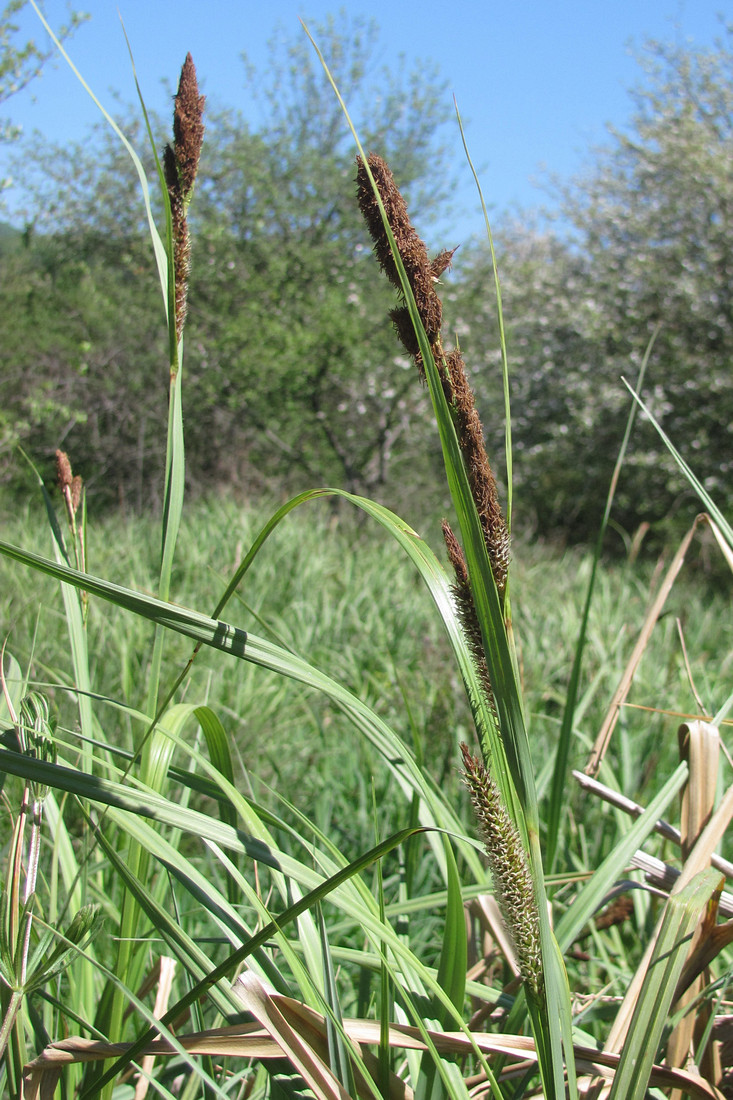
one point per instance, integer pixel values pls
(334, 591)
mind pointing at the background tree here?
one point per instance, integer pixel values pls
(291, 364)
(656, 223)
(82, 341)
(292, 371)
(296, 359)
(21, 61)
(652, 246)
(557, 368)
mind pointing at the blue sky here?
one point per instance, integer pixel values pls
(537, 80)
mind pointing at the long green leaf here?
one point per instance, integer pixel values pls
(159, 248)
(454, 951)
(229, 639)
(157, 1027)
(420, 554)
(694, 481)
(508, 456)
(225, 969)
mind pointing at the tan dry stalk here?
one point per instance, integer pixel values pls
(180, 165)
(252, 1041)
(165, 970)
(697, 860)
(510, 871)
(699, 745)
(603, 739)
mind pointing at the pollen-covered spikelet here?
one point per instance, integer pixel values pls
(480, 475)
(63, 471)
(188, 126)
(72, 487)
(513, 887)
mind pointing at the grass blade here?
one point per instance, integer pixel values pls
(694, 481)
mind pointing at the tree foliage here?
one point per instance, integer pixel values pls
(292, 370)
(22, 60)
(652, 247)
(72, 373)
(290, 361)
(296, 358)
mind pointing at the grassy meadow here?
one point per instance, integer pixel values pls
(334, 590)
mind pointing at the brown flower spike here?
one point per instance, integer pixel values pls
(480, 475)
(422, 274)
(507, 858)
(69, 485)
(188, 127)
(63, 471)
(180, 164)
(461, 589)
(411, 248)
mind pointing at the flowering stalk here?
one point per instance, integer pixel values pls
(72, 490)
(180, 165)
(513, 887)
(508, 857)
(422, 275)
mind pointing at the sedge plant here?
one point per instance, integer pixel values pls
(238, 950)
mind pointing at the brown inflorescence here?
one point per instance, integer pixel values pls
(442, 262)
(480, 475)
(411, 247)
(405, 329)
(466, 608)
(76, 485)
(70, 485)
(181, 239)
(63, 471)
(422, 274)
(510, 872)
(188, 126)
(180, 165)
